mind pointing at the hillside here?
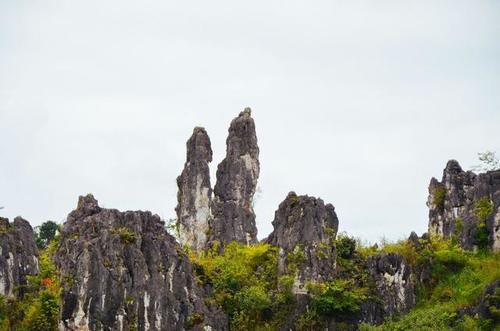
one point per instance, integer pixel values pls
(107, 269)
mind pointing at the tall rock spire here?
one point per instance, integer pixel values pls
(233, 214)
(195, 193)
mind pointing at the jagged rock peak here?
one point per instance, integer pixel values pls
(306, 225)
(237, 175)
(122, 271)
(194, 192)
(302, 219)
(87, 205)
(198, 146)
(453, 167)
(453, 207)
(18, 256)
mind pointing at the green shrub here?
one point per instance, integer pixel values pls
(346, 246)
(245, 283)
(193, 320)
(38, 308)
(483, 208)
(439, 195)
(126, 235)
(339, 298)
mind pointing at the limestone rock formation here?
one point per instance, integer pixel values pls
(304, 231)
(394, 286)
(122, 271)
(466, 206)
(195, 193)
(237, 174)
(18, 255)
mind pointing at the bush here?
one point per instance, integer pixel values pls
(439, 195)
(340, 298)
(126, 235)
(483, 208)
(245, 283)
(45, 233)
(346, 246)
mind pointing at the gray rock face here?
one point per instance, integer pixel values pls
(18, 255)
(195, 193)
(237, 174)
(304, 231)
(122, 271)
(394, 283)
(453, 206)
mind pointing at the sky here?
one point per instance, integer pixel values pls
(359, 103)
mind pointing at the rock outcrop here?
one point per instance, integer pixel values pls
(466, 206)
(233, 214)
(304, 232)
(18, 256)
(195, 193)
(123, 271)
(394, 287)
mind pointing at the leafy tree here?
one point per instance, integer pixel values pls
(489, 162)
(346, 246)
(45, 233)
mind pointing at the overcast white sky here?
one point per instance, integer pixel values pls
(357, 102)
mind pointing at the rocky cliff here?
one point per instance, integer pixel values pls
(394, 288)
(18, 256)
(195, 192)
(466, 207)
(123, 271)
(304, 231)
(233, 214)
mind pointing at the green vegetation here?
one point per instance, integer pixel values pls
(37, 308)
(45, 233)
(339, 298)
(482, 210)
(457, 231)
(173, 227)
(457, 280)
(346, 246)
(439, 195)
(126, 235)
(246, 284)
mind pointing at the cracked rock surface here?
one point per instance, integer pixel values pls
(122, 270)
(232, 209)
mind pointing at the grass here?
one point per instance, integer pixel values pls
(458, 280)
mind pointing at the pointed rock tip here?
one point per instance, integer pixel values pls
(199, 129)
(453, 166)
(246, 112)
(87, 202)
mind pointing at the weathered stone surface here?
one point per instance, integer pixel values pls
(195, 193)
(452, 205)
(122, 270)
(304, 232)
(394, 283)
(305, 229)
(18, 255)
(237, 174)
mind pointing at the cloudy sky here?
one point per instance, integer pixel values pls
(357, 102)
